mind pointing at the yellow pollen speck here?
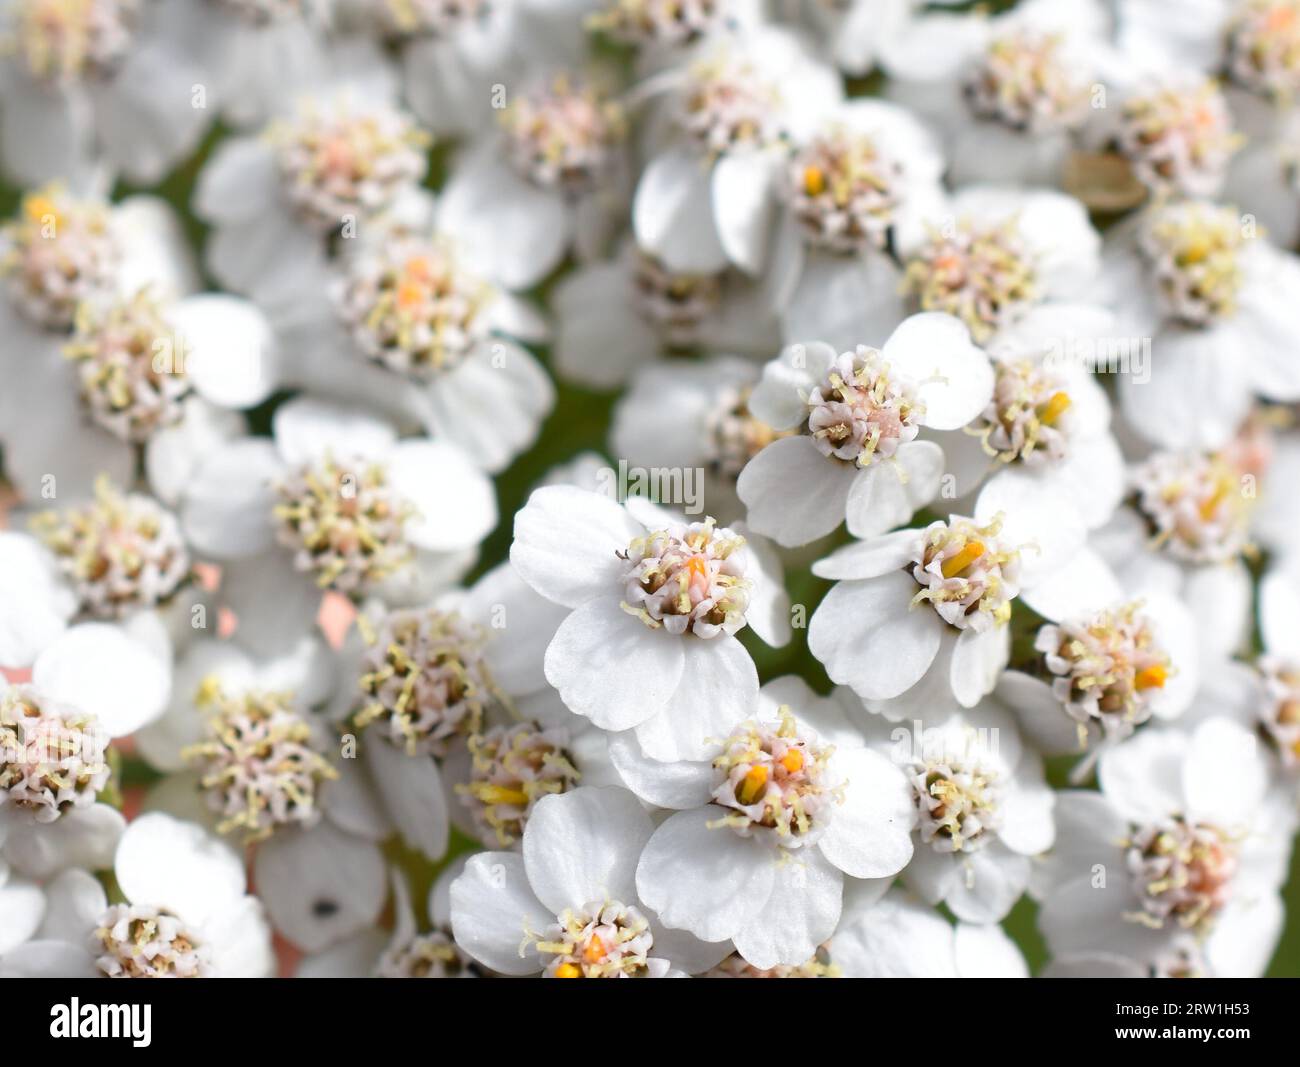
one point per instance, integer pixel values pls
(792, 761)
(567, 970)
(954, 565)
(814, 181)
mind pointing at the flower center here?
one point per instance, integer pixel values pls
(609, 940)
(146, 942)
(344, 524)
(1179, 139)
(435, 18)
(773, 782)
(843, 192)
(1182, 873)
(63, 41)
(259, 763)
(51, 757)
(513, 768)
(1106, 670)
(431, 955)
(736, 966)
(131, 366)
(1263, 47)
(413, 308)
(1281, 708)
(563, 135)
(1024, 81)
(425, 677)
(1194, 504)
(734, 435)
(669, 23)
(1183, 959)
(980, 274)
(1194, 249)
(860, 413)
(121, 553)
(968, 574)
(957, 802)
(728, 105)
(57, 253)
(687, 579)
(1028, 417)
(674, 304)
(340, 161)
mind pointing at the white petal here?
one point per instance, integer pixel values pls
(743, 190)
(454, 501)
(177, 865)
(232, 358)
(870, 835)
(85, 837)
(888, 494)
(678, 784)
(413, 793)
(672, 213)
(226, 512)
(1143, 777)
(35, 604)
(794, 494)
(493, 910)
(988, 884)
(611, 668)
(308, 430)
(800, 914)
(954, 378)
(583, 846)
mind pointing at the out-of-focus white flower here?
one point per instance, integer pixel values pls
(856, 456)
(615, 316)
(1007, 93)
(768, 824)
(329, 163)
(1216, 303)
(706, 198)
(186, 914)
(334, 501)
(1181, 840)
(247, 757)
(650, 642)
(96, 84)
(865, 172)
(568, 906)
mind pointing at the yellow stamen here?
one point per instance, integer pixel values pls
(752, 785)
(814, 181)
(1153, 677)
(954, 565)
(567, 970)
(792, 761)
(1054, 408)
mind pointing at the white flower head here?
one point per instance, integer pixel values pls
(858, 415)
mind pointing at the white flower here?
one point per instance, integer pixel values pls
(706, 198)
(246, 756)
(101, 83)
(1009, 92)
(429, 686)
(407, 319)
(1100, 675)
(900, 937)
(650, 643)
(1184, 533)
(333, 161)
(334, 501)
(858, 33)
(993, 252)
(856, 456)
(186, 914)
(920, 612)
(1181, 840)
(568, 906)
(1048, 421)
(615, 316)
(255, 52)
(983, 808)
(558, 161)
(1218, 304)
(768, 824)
(701, 422)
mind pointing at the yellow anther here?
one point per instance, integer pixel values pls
(567, 970)
(1054, 408)
(954, 565)
(1153, 677)
(814, 181)
(792, 761)
(595, 950)
(499, 794)
(752, 785)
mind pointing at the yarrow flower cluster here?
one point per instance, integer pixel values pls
(694, 488)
